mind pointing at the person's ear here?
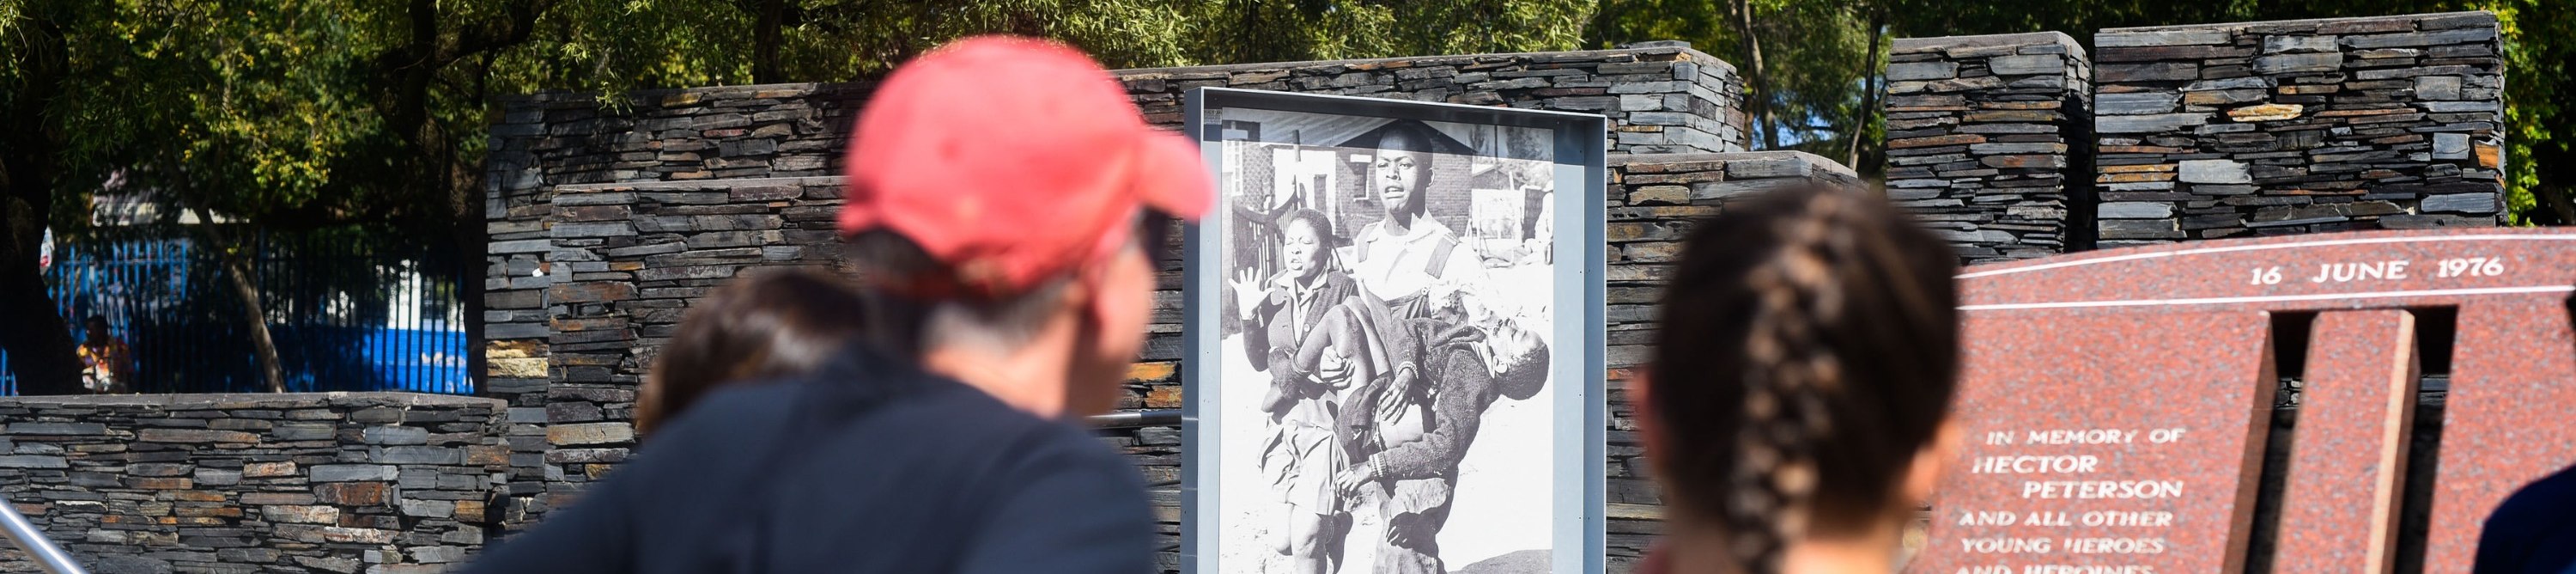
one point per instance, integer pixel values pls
(1924, 473)
(1083, 295)
(1098, 292)
(1650, 429)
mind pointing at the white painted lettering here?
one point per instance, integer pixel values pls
(2360, 271)
(2126, 518)
(2101, 489)
(1984, 518)
(2046, 518)
(2115, 545)
(2079, 436)
(2034, 464)
(2087, 569)
(2006, 545)
(2164, 435)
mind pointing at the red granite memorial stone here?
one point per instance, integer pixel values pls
(2116, 404)
(2074, 462)
(2344, 479)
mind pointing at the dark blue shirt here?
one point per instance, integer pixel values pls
(2533, 531)
(869, 465)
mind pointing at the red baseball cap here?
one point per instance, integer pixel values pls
(1013, 161)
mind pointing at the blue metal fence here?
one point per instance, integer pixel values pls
(348, 310)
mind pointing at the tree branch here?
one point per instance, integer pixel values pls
(1869, 88)
(493, 34)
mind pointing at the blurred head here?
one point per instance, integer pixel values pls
(763, 327)
(1803, 371)
(1403, 169)
(1096, 317)
(94, 329)
(1305, 241)
(1007, 192)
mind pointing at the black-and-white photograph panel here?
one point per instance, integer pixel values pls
(1396, 363)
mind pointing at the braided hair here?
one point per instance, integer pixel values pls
(1807, 351)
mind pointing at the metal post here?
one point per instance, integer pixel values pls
(1137, 419)
(43, 551)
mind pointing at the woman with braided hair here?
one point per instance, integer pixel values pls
(1797, 408)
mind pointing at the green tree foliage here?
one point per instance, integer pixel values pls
(614, 45)
(313, 113)
(278, 114)
(304, 114)
(1807, 64)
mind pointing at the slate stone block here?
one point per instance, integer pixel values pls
(2155, 71)
(2160, 38)
(2022, 65)
(2135, 103)
(2450, 146)
(2266, 112)
(2437, 87)
(296, 432)
(2148, 123)
(2298, 43)
(579, 230)
(2461, 107)
(352, 493)
(53, 428)
(2222, 97)
(747, 147)
(2213, 171)
(2459, 36)
(2476, 19)
(590, 434)
(2135, 210)
(352, 472)
(2025, 161)
(268, 469)
(2298, 63)
(194, 436)
(2140, 229)
(2017, 148)
(2460, 203)
(416, 455)
(33, 461)
(392, 435)
(2229, 84)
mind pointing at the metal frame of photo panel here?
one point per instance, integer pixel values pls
(1581, 171)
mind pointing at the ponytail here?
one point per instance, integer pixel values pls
(1807, 352)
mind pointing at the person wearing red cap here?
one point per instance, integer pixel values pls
(1005, 196)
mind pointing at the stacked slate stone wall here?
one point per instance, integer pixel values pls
(316, 482)
(560, 347)
(641, 254)
(548, 140)
(1653, 201)
(1661, 96)
(1982, 134)
(2298, 127)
